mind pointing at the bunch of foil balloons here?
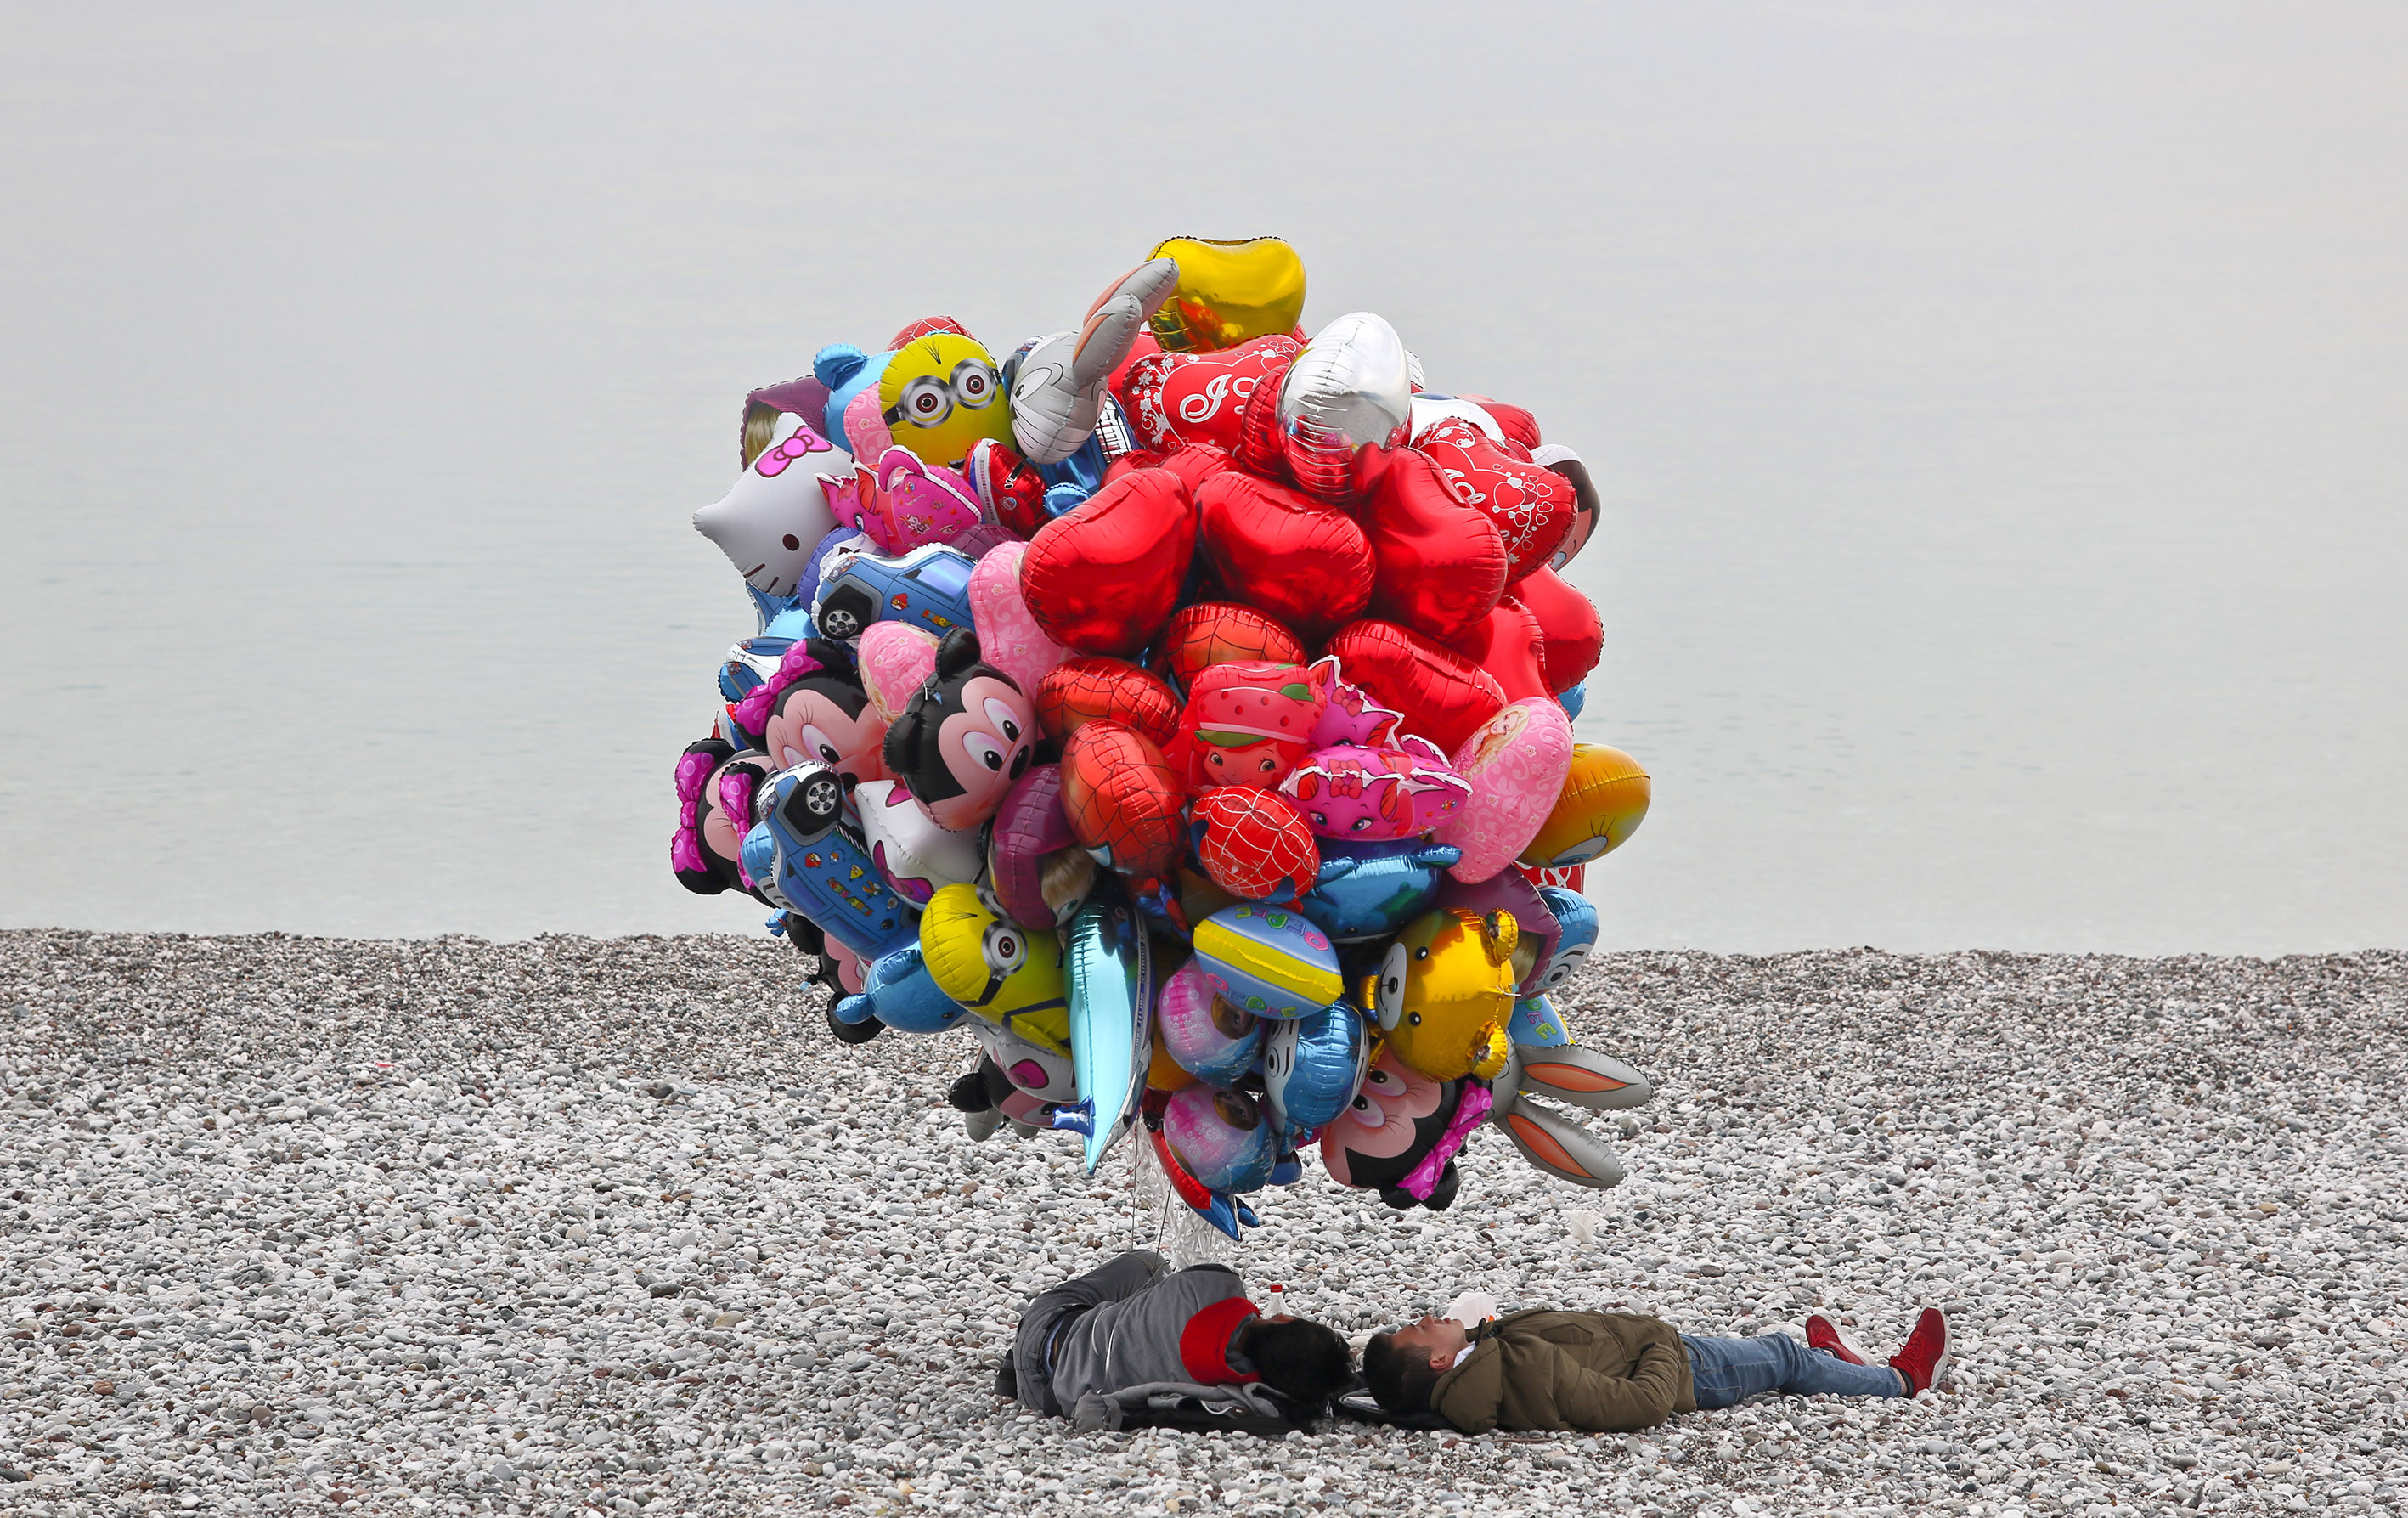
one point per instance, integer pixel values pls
(1183, 706)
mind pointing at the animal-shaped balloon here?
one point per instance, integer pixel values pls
(1203, 1032)
(1511, 891)
(1352, 717)
(1223, 1138)
(1576, 929)
(1313, 1066)
(966, 737)
(777, 512)
(902, 502)
(1057, 383)
(1272, 961)
(1370, 890)
(1547, 1141)
(824, 716)
(1366, 794)
(1400, 1127)
(1247, 724)
(1445, 992)
(1004, 972)
(940, 394)
(715, 782)
(915, 855)
(897, 993)
(1603, 801)
(848, 373)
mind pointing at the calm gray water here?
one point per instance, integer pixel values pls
(1999, 410)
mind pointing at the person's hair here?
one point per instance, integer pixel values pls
(1399, 1379)
(1307, 1363)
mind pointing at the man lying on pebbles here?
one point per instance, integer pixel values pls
(1612, 1372)
(1133, 1328)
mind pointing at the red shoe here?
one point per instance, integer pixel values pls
(1822, 1333)
(1924, 1358)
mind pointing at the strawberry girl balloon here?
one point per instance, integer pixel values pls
(1248, 724)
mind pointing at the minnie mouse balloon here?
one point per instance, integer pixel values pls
(1344, 405)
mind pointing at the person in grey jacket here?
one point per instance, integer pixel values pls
(1135, 1322)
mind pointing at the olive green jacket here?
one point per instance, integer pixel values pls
(1606, 1372)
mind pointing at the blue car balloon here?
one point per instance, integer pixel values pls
(808, 859)
(927, 588)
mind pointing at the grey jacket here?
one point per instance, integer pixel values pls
(1174, 1328)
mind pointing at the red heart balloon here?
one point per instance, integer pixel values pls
(1574, 637)
(1444, 697)
(1175, 399)
(1505, 643)
(1514, 421)
(1122, 800)
(1102, 578)
(1081, 691)
(1442, 565)
(1532, 506)
(1211, 632)
(1305, 564)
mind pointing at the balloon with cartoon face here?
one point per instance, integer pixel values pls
(1313, 1066)
(1223, 1138)
(941, 394)
(827, 718)
(1009, 975)
(965, 738)
(1576, 928)
(1399, 1120)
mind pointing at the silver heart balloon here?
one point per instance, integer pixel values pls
(1345, 406)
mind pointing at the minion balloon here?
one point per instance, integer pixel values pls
(941, 394)
(1003, 972)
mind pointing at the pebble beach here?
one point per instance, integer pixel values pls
(612, 1225)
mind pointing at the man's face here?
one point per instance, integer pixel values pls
(1437, 1340)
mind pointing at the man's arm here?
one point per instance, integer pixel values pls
(1116, 1280)
(1600, 1403)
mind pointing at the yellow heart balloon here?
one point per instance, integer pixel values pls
(1230, 291)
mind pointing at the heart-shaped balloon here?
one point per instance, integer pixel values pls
(1586, 503)
(1515, 762)
(1010, 638)
(1532, 506)
(1515, 422)
(1444, 696)
(1122, 799)
(1211, 632)
(1178, 399)
(1081, 691)
(1103, 579)
(1505, 643)
(1304, 563)
(1229, 292)
(897, 659)
(1441, 562)
(1574, 637)
(1345, 405)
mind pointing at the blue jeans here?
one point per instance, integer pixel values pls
(1729, 1370)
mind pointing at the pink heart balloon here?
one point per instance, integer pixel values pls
(895, 660)
(1008, 636)
(1516, 763)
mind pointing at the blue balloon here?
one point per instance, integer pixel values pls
(896, 991)
(1573, 700)
(1108, 964)
(1535, 1025)
(1370, 890)
(1313, 1065)
(1576, 916)
(847, 371)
